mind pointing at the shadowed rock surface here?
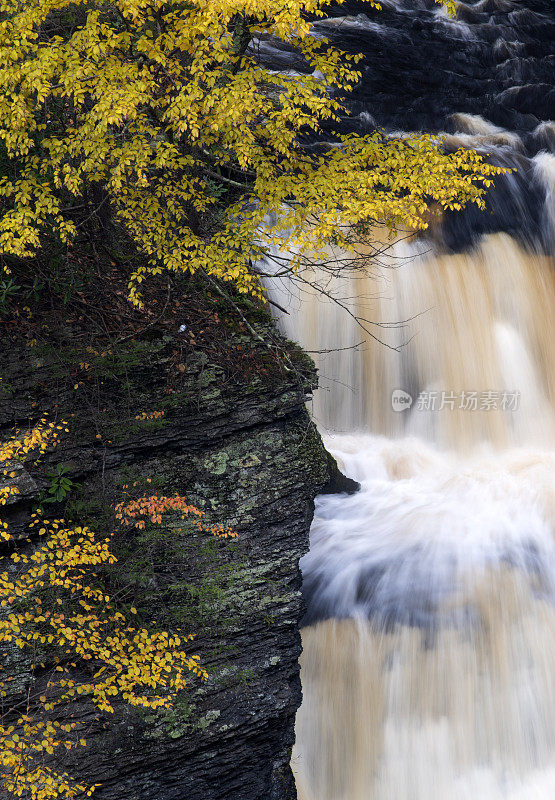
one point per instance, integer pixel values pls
(247, 454)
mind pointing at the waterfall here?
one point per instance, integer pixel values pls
(428, 664)
(449, 326)
(429, 640)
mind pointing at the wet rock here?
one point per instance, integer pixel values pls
(247, 454)
(338, 482)
(13, 473)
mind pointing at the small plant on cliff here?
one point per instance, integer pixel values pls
(158, 114)
(78, 645)
(136, 512)
(60, 485)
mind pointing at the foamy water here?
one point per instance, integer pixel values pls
(427, 668)
(428, 665)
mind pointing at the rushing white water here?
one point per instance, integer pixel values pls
(428, 664)
(428, 671)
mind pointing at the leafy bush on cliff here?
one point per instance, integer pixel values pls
(158, 115)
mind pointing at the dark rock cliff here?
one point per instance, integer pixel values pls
(246, 453)
(425, 71)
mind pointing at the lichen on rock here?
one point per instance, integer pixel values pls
(246, 453)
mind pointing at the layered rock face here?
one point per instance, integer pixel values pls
(495, 59)
(483, 78)
(246, 453)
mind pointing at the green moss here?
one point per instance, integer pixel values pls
(311, 450)
(85, 509)
(150, 425)
(300, 359)
(6, 389)
(207, 719)
(172, 722)
(231, 676)
(195, 579)
(114, 363)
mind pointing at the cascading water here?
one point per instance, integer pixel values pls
(429, 646)
(428, 665)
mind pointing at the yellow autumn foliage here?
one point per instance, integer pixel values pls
(159, 102)
(53, 607)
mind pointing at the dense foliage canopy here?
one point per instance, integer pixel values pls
(160, 111)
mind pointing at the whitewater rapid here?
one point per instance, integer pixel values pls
(429, 636)
(429, 648)
(428, 664)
